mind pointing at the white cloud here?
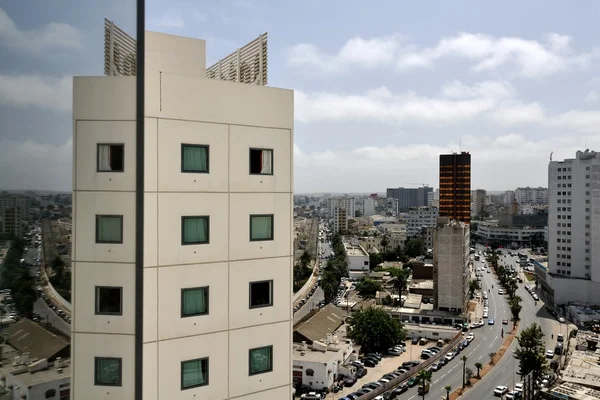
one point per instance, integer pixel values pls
(529, 58)
(31, 165)
(38, 91)
(171, 19)
(593, 96)
(49, 37)
(497, 163)
(489, 89)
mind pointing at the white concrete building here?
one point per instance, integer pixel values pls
(451, 265)
(39, 380)
(517, 234)
(181, 277)
(368, 207)
(508, 198)
(538, 195)
(358, 258)
(420, 217)
(574, 228)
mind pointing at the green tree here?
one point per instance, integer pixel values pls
(384, 243)
(400, 277)
(367, 288)
(447, 388)
(473, 286)
(479, 366)
(492, 259)
(492, 355)
(375, 259)
(415, 246)
(358, 214)
(531, 351)
(514, 304)
(305, 258)
(375, 330)
(464, 360)
(424, 377)
(469, 375)
(329, 283)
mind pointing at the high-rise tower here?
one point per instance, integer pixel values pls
(455, 186)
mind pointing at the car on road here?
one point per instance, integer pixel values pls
(549, 353)
(500, 291)
(412, 382)
(485, 315)
(435, 367)
(403, 388)
(518, 387)
(470, 337)
(560, 338)
(491, 321)
(512, 395)
(561, 320)
(500, 391)
(505, 321)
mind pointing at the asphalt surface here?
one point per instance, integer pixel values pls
(318, 295)
(487, 339)
(48, 315)
(502, 373)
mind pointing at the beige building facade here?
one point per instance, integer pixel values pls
(217, 234)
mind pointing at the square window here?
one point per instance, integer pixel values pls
(109, 229)
(261, 162)
(107, 371)
(260, 360)
(194, 158)
(111, 157)
(194, 373)
(261, 227)
(195, 230)
(261, 294)
(109, 300)
(194, 302)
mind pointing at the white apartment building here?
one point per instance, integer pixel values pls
(199, 307)
(342, 208)
(574, 228)
(451, 265)
(23, 203)
(519, 235)
(477, 201)
(538, 195)
(358, 258)
(420, 217)
(508, 198)
(368, 207)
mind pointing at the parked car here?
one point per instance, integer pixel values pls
(500, 391)
(349, 381)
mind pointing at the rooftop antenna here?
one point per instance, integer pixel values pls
(551, 155)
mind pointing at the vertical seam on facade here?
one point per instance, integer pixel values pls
(139, 212)
(73, 252)
(228, 249)
(157, 257)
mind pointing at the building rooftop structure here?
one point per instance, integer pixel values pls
(28, 337)
(573, 391)
(326, 321)
(354, 250)
(582, 364)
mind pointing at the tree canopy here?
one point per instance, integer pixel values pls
(531, 351)
(415, 246)
(375, 330)
(368, 288)
(16, 278)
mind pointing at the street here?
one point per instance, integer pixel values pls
(48, 315)
(318, 295)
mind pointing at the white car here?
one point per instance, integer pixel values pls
(485, 315)
(549, 353)
(485, 309)
(561, 320)
(500, 390)
(500, 291)
(470, 337)
(512, 395)
(518, 387)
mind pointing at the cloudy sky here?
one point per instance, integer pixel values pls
(380, 90)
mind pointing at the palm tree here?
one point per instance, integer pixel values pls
(492, 355)
(329, 283)
(401, 276)
(464, 360)
(423, 377)
(514, 304)
(479, 366)
(447, 388)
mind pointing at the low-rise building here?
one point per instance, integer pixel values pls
(358, 258)
(519, 235)
(420, 217)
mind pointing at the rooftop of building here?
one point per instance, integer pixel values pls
(582, 366)
(28, 337)
(574, 391)
(339, 338)
(355, 250)
(326, 321)
(51, 373)
(421, 284)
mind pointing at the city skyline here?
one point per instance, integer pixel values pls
(370, 97)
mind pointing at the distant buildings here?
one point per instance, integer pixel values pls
(369, 206)
(451, 265)
(455, 186)
(419, 218)
(14, 209)
(410, 197)
(342, 209)
(524, 195)
(357, 257)
(573, 231)
(477, 201)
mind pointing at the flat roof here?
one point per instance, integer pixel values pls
(45, 375)
(354, 250)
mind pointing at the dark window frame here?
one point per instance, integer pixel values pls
(207, 147)
(183, 290)
(186, 217)
(100, 216)
(97, 299)
(206, 381)
(120, 360)
(250, 373)
(250, 161)
(98, 157)
(271, 290)
(272, 237)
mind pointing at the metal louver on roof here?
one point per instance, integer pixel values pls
(119, 51)
(247, 64)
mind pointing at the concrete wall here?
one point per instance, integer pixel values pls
(451, 261)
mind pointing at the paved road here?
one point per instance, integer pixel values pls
(487, 339)
(502, 373)
(49, 315)
(309, 305)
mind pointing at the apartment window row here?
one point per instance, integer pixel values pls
(564, 185)
(563, 249)
(194, 301)
(565, 201)
(108, 371)
(194, 229)
(195, 158)
(564, 169)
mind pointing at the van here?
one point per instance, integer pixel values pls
(423, 389)
(440, 343)
(422, 341)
